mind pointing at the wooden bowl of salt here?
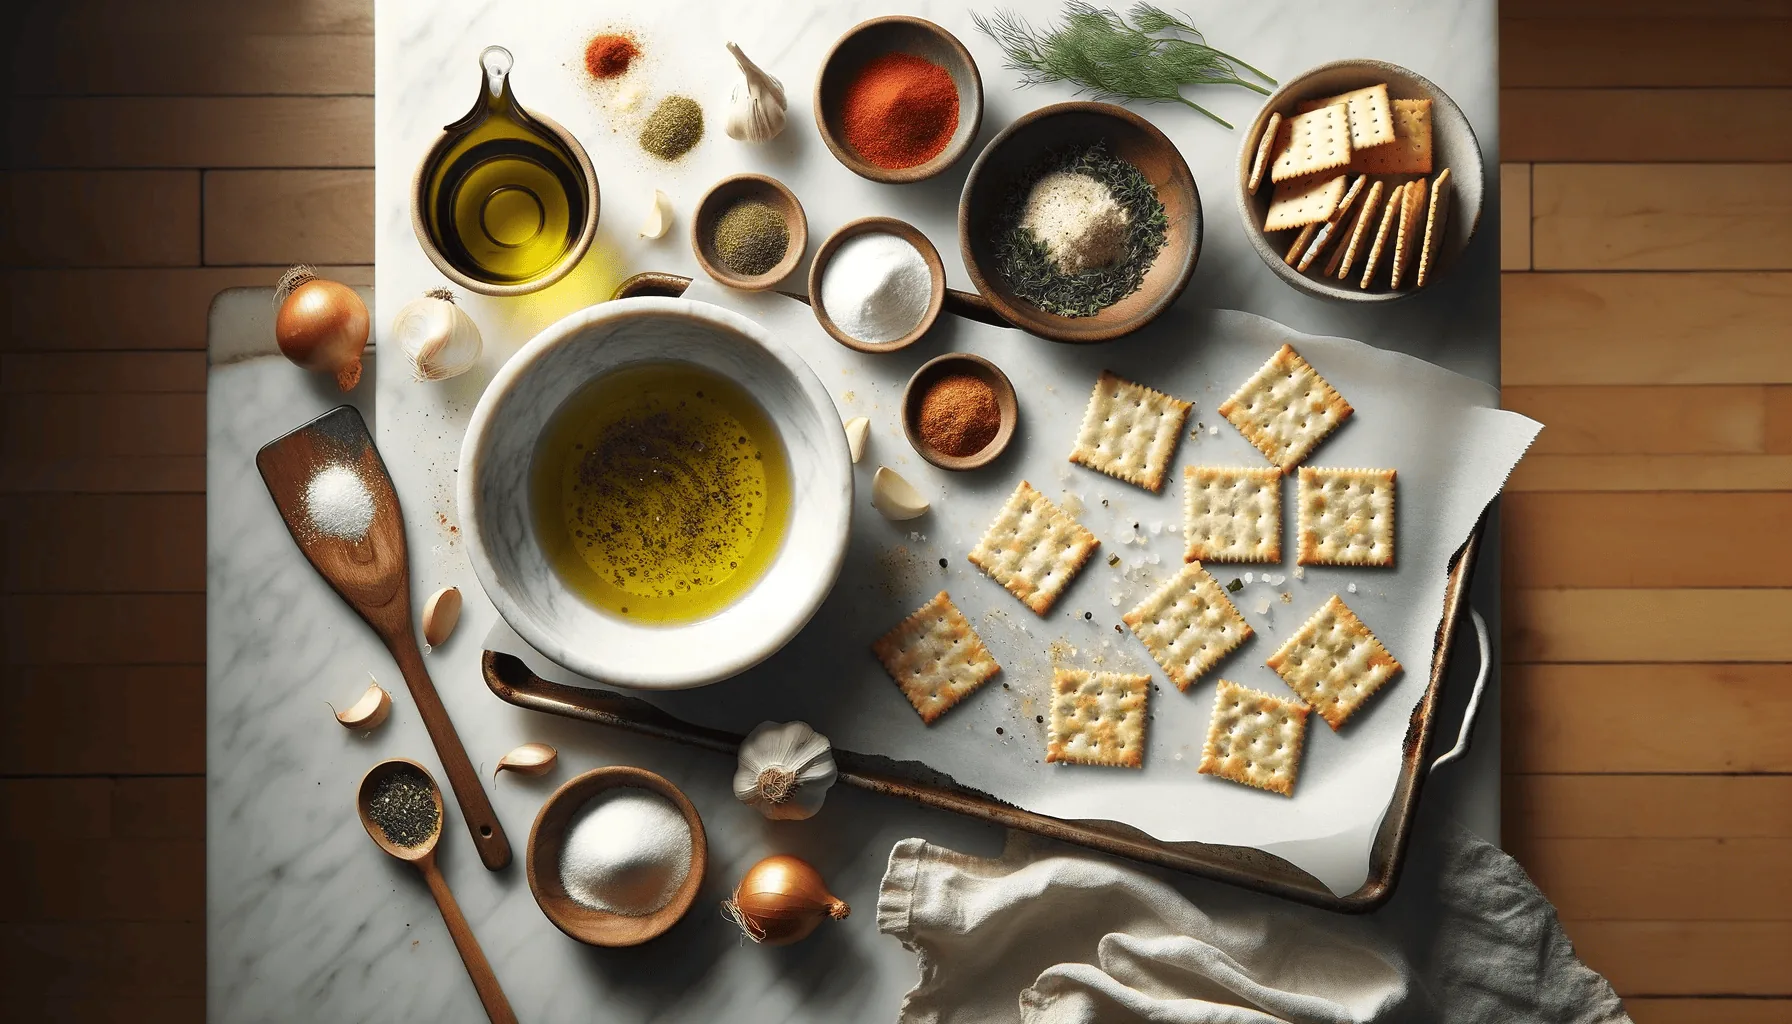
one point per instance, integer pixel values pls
(630, 881)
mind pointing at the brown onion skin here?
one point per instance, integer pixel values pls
(782, 899)
(323, 326)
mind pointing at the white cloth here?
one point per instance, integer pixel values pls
(1046, 934)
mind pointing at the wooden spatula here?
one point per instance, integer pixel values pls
(373, 575)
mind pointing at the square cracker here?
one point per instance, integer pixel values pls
(1317, 140)
(1410, 152)
(1344, 256)
(1097, 718)
(1286, 408)
(1345, 517)
(1437, 221)
(1265, 143)
(1406, 239)
(936, 658)
(1302, 201)
(1034, 548)
(1332, 227)
(1130, 431)
(1334, 663)
(1389, 217)
(1232, 515)
(1371, 118)
(1254, 738)
(1188, 625)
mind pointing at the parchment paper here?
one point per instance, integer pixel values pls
(1452, 447)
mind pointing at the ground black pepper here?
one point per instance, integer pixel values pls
(751, 238)
(403, 805)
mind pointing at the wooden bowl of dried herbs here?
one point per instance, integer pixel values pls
(1080, 222)
(749, 231)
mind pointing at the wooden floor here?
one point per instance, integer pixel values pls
(157, 152)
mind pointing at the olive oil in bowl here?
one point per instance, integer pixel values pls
(506, 201)
(661, 493)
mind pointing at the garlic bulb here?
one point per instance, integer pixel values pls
(785, 770)
(437, 337)
(756, 106)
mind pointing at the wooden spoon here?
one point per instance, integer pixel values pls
(423, 855)
(373, 575)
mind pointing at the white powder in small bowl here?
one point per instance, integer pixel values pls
(628, 852)
(876, 287)
(339, 503)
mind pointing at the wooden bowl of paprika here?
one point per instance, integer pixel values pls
(959, 411)
(898, 99)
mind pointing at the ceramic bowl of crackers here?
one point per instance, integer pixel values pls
(1360, 181)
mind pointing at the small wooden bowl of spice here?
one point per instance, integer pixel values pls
(616, 856)
(959, 411)
(749, 232)
(898, 99)
(877, 284)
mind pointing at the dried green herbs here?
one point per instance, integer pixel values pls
(403, 805)
(751, 238)
(673, 129)
(1028, 267)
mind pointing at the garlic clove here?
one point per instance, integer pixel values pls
(528, 759)
(756, 107)
(440, 615)
(659, 219)
(436, 336)
(369, 711)
(857, 430)
(895, 497)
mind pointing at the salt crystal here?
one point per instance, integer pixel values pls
(1247, 577)
(1351, 588)
(339, 504)
(1213, 431)
(1157, 526)
(1300, 572)
(1263, 606)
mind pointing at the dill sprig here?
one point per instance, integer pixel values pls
(1031, 272)
(1150, 59)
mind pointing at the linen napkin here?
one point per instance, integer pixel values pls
(1046, 934)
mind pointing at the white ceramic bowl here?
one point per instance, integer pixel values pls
(500, 527)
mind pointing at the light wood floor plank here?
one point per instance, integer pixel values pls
(260, 217)
(1617, 718)
(1644, 420)
(203, 63)
(1606, 51)
(1661, 216)
(103, 629)
(1652, 473)
(120, 719)
(1647, 806)
(1643, 125)
(191, 131)
(1515, 216)
(1625, 328)
(1666, 958)
(1709, 1011)
(1655, 540)
(86, 310)
(1613, 625)
(49, 543)
(1779, 420)
(38, 373)
(99, 218)
(1629, 879)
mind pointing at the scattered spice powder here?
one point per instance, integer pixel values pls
(900, 110)
(609, 55)
(674, 128)
(959, 415)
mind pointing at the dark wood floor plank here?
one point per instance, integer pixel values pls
(125, 719)
(1666, 958)
(1589, 540)
(99, 218)
(261, 217)
(1644, 125)
(103, 629)
(1606, 51)
(51, 543)
(206, 62)
(105, 373)
(189, 131)
(1600, 879)
(1647, 806)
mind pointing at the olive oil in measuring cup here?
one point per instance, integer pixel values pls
(505, 198)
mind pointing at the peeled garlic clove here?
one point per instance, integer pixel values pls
(440, 615)
(369, 711)
(895, 497)
(528, 759)
(857, 430)
(659, 219)
(756, 106)
(437, 337)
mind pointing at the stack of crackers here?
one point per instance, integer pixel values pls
(1351, 175)
(1334, 664)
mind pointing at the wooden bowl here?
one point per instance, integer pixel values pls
(599, 927)
(874, 225)
(976, 366)
(1004, 166)
(720, 198)
(896, 34)
(1453, 145)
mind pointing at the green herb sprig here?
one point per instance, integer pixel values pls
(1150, 59)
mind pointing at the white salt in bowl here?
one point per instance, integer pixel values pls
(499, 523)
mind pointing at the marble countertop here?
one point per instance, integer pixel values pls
(306, 919)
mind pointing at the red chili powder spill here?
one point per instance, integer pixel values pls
(900, 110)
(608, 56)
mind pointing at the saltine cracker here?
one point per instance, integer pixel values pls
(1130, 431)
(1254, 738)
(1097, 718)
(1302, 201)
(1265, 143)
(1334, 662)
(1034, 548)
(936, 658)
(1188, 625)
(1410, 152)
(1406, 240)
(1345, 517)
(1286, 408)
(1389, 218)
(1370, 114)
(1317, 140)
(1437, 225)
(1232, 515)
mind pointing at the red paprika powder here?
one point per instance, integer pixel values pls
(608, 56)
(900, 110)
